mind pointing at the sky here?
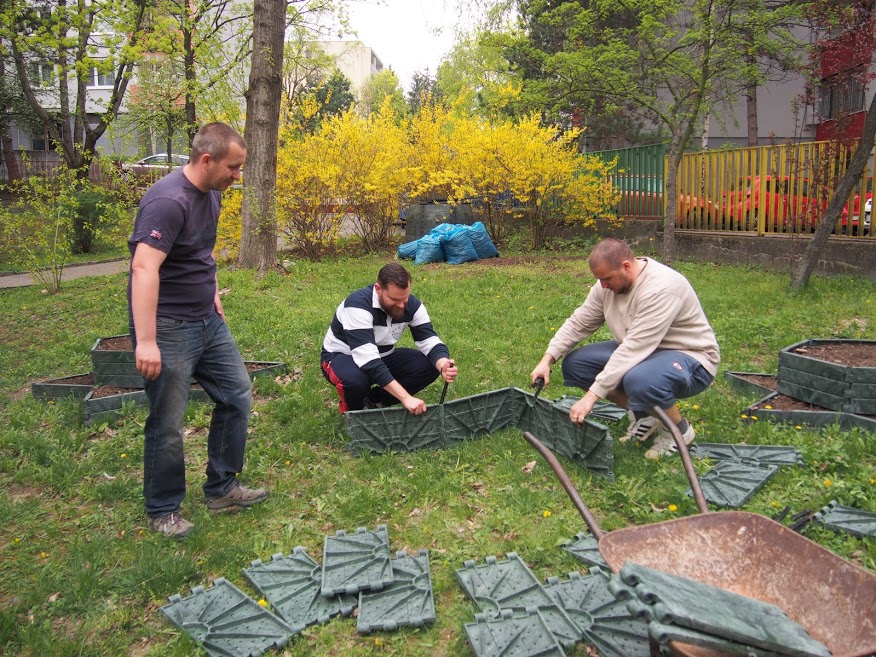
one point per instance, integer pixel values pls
(407, 35)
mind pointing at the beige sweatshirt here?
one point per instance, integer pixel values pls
(660, 311)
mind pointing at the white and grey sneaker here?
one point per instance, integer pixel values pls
(641, 429)
(664, 445)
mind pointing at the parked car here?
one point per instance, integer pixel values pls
(153, 167)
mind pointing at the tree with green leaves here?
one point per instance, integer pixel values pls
(62, 52)
(380, 86)
(666, 63)
(424, 90)
(845, 42)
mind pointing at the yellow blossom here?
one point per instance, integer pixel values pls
(672, 508)
(263, 602)
(43, 555)
(547, 513)
(122, 455)
(754, 417)
(828, 482)
(774, 503)
(696, 407)
(768, 407)
(798, 427)
(744, 416)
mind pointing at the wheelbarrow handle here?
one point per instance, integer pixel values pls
(444, 392)
(685, 459)
(538, 384)
(548, 455)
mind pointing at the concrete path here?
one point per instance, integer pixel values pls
(70, 272)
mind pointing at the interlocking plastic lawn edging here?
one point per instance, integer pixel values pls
(812, 418)
(831, 385)
(732, 483)
(846, 519)
(225, 621)
(61, 388)
(677, 601)
(292, 585)
(604, 620)
(739, 382)
(467, 418)
(356, 562)
(765, 454)
(408, 601)
(497, 586)
(512, 635)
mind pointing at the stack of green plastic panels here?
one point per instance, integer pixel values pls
(408, 601)
(678, 608)
(292, 585)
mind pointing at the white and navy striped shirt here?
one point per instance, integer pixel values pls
(361, 329)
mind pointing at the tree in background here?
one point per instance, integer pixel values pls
(60, 50)
(156, 104)
(423, 91)
(377, 89)
(320, 99)
(845, 41)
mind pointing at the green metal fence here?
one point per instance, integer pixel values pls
(639, 176)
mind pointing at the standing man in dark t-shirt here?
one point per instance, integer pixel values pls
(179, 332)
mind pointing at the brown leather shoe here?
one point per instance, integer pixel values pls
(238, 496)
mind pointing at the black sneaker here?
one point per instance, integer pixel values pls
(238, 496)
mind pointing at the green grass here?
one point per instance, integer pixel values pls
(81, 576)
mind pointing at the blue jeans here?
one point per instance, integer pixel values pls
(206, 351)
(659, 380)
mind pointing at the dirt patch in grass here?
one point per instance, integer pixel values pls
(849, 354)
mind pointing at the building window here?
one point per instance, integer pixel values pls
(840, 96)
(101, 78)
(42, 74)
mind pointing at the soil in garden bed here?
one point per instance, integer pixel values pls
(763, 380)
(120, 343)
(109, 391)
(81, 380)
(842, 353)
(786, 403)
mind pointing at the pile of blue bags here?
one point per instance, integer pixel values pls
(451, 243)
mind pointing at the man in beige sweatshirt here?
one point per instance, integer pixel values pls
(663, 347)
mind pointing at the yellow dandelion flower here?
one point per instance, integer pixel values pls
(288, 462)
(774, 503)
(798, 427)
(744, 416)
(872, 480)
(754, 417)
(672, 508)
(696, 407)
(532, 307)
(18, 540)
(122, 455)
(43, 555)
(263, 602)
(768, 407)
(828, 482)
(553, 329)
(547, 513)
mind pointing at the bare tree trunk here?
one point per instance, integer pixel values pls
(816, 245)
(258, 242)
(751, 108)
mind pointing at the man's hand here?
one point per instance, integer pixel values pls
(448, 370)
(581, 408)
(542, 370)
(414, 406)
(148, 359)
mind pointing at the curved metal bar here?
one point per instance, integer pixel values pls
(548, 455)
(685, 459)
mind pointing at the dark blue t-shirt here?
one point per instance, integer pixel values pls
(179, 219)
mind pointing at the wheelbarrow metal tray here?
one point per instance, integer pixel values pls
(757, 557)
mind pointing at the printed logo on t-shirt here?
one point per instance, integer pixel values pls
(155, 235)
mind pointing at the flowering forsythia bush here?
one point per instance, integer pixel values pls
(230, 221)
(355, 173)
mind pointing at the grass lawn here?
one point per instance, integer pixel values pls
(82, 576)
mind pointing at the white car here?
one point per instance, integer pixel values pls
(868, 206)
(153, 166)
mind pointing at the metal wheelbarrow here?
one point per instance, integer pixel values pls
(748, 554)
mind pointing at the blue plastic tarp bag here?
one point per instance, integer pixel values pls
(481, 241)
(457, 246)
(443, 231)
(408, 250)
(428, 250)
